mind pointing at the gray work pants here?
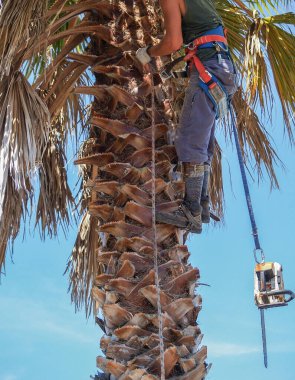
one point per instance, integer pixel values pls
(195, 138)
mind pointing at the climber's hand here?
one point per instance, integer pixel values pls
(143, 56)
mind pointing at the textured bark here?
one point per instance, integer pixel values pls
(119, 154)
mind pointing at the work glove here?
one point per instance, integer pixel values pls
(143, 56)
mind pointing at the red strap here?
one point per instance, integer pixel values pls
(209, 38)
(203, 73)
(191, 55)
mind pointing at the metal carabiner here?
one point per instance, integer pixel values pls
(217, 44)
(261, 254)
(190, 46)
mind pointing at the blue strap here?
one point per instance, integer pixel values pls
(241, 163)
(204, 86)
(245, 181)
(216, 31)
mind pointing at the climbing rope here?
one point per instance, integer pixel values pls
(154, 229)
(247, 191)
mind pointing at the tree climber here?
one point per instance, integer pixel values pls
(185, 21)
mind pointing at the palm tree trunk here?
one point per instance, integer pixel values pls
(120, 154)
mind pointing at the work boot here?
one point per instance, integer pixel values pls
(205, 200)
(189, 214)
(193, 178)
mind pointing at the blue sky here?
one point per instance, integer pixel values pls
(229, 320)
(42, 337)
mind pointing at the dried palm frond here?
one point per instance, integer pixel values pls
(62, 94)
(216, 183)
(82, 265)
(236, 31)
(67, 110)
(16, 202)
(20, 22)
(24, 126)
(57, 5)
(279, 43)
(55, 196)
(255, 139)
(261, 43)
(85, 172)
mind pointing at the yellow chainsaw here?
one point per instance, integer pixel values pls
(269, 290)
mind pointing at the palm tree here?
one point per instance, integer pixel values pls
(69, 65)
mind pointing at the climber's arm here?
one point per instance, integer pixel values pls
(172, 40)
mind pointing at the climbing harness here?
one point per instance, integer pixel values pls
(208, 82)
(268, 276)
(154, 231)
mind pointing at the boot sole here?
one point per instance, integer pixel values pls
(177, 221)
(214, 217)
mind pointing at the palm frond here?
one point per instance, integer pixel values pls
(216, 185)
(24, 125)
(28, 142)
(82, 265)
(268, 46)
(20, 22)
(279, 48)
(255, 139)
(270, 5)
(262, 49)
(17, 207)
(55, 196)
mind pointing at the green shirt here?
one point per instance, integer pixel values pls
(200, 16)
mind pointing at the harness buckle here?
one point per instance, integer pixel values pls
(166, 75)
(190, 46)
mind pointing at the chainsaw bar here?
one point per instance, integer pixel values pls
(263, 337)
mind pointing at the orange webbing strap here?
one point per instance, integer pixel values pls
(203, 73)
(191, 56)
(209, 38)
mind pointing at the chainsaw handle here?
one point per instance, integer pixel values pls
(281, 293)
